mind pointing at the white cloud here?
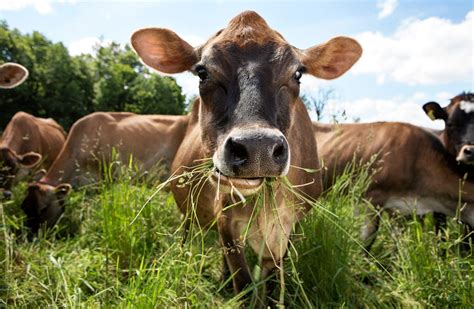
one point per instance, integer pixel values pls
(188, 82)
(386, 7)
(403, 109)
(85, 45)
(428, 51)
(194, 40)
(41, 6)
(310, 85)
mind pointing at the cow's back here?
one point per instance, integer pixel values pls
(95, 138)
(165, 131)
(390, 147)
(26, 133)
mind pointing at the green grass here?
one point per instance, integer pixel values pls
(96, 257)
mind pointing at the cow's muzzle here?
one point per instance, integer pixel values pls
(466, 154)
(253, 153)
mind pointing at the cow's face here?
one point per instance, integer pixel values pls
(459, 119)
(12, 75)
(44, 204)
(249, 83)
(13, 164)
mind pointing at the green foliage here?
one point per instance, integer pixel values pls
(147, 90)
(66, 87)
(58, 86)
(96, 256)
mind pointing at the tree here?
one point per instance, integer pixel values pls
(125, 84)
(66, 88)
(58, 86)
(152, 94)
(318, 102)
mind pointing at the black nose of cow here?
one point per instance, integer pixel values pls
(256, 154)
(468, 153)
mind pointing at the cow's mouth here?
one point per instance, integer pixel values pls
(244, 186)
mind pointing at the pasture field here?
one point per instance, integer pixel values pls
(95, 256)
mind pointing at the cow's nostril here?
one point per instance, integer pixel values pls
(279, 152)
(238, 153)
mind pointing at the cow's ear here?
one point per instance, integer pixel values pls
(62, 190)
(38, 175)
(30, 159)
(163, 50)
(435, 111)
(331, 59)
(12, 74)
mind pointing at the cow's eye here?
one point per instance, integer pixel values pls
(299, 74)
(202, 73)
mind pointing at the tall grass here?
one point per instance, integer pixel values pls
(98, 255)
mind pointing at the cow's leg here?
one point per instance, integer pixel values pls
(226, 273)
(268, 268)
(234, 254)
(468, 238)
(368, 232)
(440, 222)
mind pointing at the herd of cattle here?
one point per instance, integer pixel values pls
(250, 123)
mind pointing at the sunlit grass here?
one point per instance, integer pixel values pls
(116, 246)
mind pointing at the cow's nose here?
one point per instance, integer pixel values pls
(256, 154)
(469, 153)
(466, 154)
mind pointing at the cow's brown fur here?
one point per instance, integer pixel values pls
(248, 86)
(148, 139)
(412, 168)
(26, 135)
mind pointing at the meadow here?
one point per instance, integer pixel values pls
(114, 246)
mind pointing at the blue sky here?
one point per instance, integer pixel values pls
(414, 51)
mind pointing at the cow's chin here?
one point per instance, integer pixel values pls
(244, 186)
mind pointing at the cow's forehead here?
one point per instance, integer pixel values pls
(463, 103)
(467, 106)
(247, 29)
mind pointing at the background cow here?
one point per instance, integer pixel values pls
(148, 139)
(415, 170)
(250, 125)
(12, 75)
(26, 142)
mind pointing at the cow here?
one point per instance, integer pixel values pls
(100, 138)
(26, 143)
(251, 127)
(416, 169)
(12, 75)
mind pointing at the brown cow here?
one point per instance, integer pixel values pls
(250, 125)
(26, 141)
(415, 170)
(12, 75)
(149, 139)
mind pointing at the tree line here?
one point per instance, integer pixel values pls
(66, 87)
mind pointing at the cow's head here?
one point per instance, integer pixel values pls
(13, 164)
(12, 75)
(44, 204)
(459, 119)
(249, 84)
